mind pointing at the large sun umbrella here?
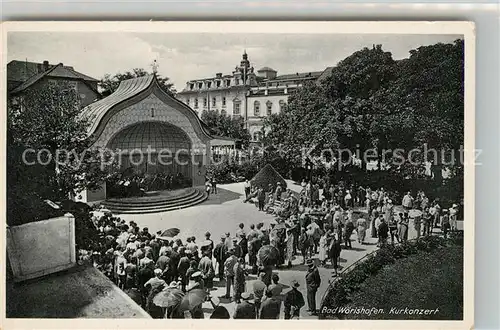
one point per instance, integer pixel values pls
(168, 297)
(172, 232)
(192, 299)
(268, 255)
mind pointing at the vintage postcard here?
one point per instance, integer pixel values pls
(320, 172)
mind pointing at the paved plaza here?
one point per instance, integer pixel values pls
(221, 213)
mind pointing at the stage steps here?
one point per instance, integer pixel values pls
(155, 205)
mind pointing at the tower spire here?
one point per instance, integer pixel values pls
(154, 67)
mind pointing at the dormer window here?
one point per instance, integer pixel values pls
(209, 84)
(200, 85)
(191, 86)
(218, 83)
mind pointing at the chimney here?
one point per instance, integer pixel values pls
(45, 65)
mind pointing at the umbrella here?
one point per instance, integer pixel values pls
(414, 213)
(172, 232)
(206, 243)
(268, 255)
(168, 297)
(192, 299)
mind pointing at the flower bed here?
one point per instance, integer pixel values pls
(342, 292)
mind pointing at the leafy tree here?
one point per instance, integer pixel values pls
(108, 84)
(221, 124)
(47, 120)
(371, 101)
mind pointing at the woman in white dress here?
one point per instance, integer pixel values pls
(323, 248)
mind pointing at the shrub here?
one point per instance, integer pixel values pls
(343, 291)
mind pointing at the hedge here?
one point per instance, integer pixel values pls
(341, 292)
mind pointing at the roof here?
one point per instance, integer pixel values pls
(23, 70)
(56, 71)
(126, 90)
(33, 79)
(266, 68)
(298, 75)
(327, 72)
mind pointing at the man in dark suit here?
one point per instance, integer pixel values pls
(220, 255)
(293, 302)
(270, 308)
(245, 309)
(313, 281)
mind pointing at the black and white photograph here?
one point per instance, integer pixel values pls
(223, 170)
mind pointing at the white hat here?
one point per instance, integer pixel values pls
(455, 205)
(158, 271)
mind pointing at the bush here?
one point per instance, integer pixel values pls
(345, 290)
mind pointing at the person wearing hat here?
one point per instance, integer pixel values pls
(445, 222)
(229, 271)
(383, 231)
(198, 283)
(403, 227)
(293, 301)
(304, 244)
(270, 307)
(208, 239)
(220, 255)
(239, 279)
(313, 281)
(182, 267)
(453, 211)
(246, 308)
(132, 244)
(259, 288)
(236, 248)
(279, 191)
(207, 270)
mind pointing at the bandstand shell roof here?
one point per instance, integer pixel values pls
(129, 88)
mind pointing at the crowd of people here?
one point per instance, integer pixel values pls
(306, 226)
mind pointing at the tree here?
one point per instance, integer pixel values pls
(49, 154)
(371, 101)
(108, 84)
(221, 124)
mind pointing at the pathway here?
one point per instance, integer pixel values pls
(222, 213)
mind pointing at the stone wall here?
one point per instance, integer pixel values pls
(39, 248)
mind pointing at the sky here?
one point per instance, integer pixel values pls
(183, 56)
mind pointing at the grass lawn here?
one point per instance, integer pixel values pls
(422, 281)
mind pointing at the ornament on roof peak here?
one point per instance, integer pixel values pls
(154, 67)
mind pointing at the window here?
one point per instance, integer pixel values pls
(209, 84)
(196, 103)
(269, 106)
(236, 107)
(236, 81)
(187, 101)
(228, 83)
(256, 136)
(191, 86)
(214, 101)
(224, 101)
(223, 112)
(205, 102)
(200, 85)
(282, 105)
(218, 83)
(256, 108)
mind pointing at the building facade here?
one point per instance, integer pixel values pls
(149, 130)
(253, 96)
(23, 75)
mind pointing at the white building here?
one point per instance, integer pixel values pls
(244, 93)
